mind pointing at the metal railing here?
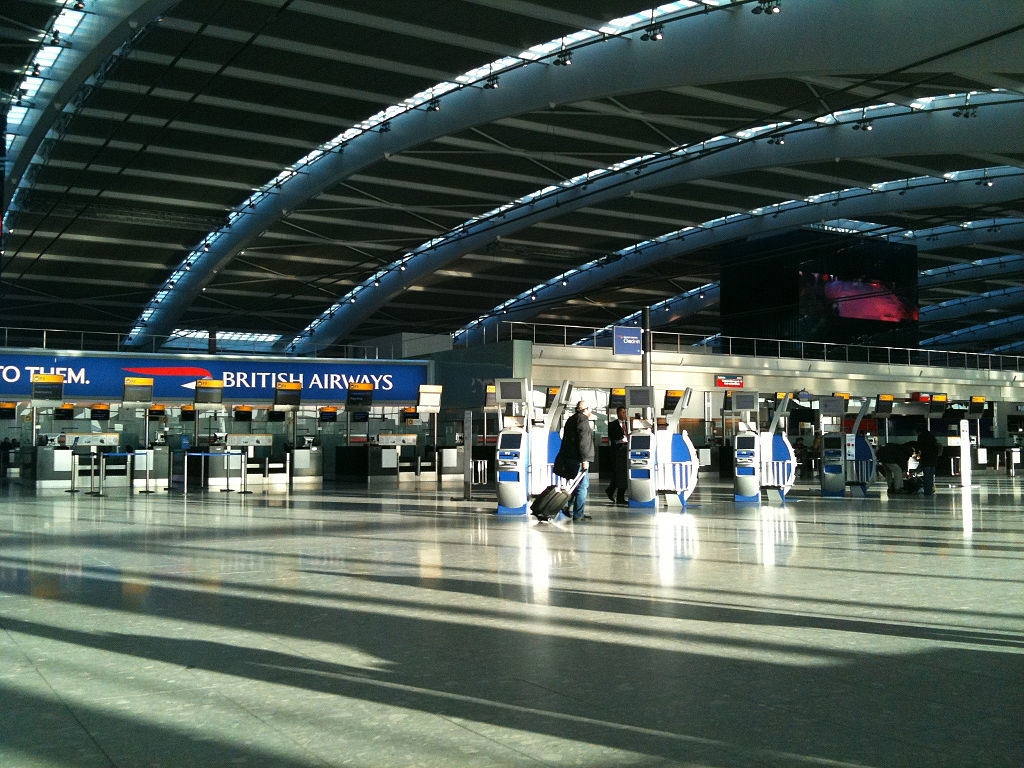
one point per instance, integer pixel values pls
(100, 341)
(663, 341)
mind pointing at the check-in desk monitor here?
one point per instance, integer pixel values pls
(137, 391)
(47, 390)
(358, 400)
(8, 411)
(639, 397)
(428, 399)
(288, 393)
(209, 392)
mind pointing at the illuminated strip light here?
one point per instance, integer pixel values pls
(66, 24)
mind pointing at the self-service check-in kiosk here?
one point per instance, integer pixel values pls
(833, 464)
(643, 450)
(778, 459)
(747, 467)
(677, 461)
(546, 436)
(746, 449)
(512, 476)
(861, 463)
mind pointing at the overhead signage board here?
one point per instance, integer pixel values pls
(627, 340)
(729, 382)
(101, 377)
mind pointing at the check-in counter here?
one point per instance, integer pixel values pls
(51, 466)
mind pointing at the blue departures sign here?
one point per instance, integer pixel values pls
(174, 377)
(628, 340)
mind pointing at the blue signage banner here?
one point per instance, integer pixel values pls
(102, 376)
(627, 340)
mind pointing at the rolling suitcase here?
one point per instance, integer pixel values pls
(554, 499)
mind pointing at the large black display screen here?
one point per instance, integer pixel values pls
(821, 286)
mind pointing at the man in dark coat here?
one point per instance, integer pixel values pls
(575, 455)
(618, 439)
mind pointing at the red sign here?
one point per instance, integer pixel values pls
(729, 382)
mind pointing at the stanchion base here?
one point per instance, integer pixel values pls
(72, 490)
(243, 493)
(147, 491)
(227, 490)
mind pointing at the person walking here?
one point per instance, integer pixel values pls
(575, 455)
(928, 459)
(618, 439)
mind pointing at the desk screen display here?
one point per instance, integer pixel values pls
(288, 393)
(359, 397)
(47, 386)
(137, 390)
(209, 391)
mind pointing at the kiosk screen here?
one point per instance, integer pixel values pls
(744, 401)
(640, 442)
(510, 390)
(275, 415)
(639, 397)
(511, 442)
(746, 442)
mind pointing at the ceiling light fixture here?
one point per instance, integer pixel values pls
(776, 140)
(564, 59)
(434, 105)
(492, 82)
(769, 7)
(863, 125)
(652, 33)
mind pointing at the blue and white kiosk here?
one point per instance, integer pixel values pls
(778, 459)
(847, 459)
(643, 450)
(678, 463)
(746, 469)
(528, 441)
(512, 463)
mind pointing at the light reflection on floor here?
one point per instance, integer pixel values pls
(340, 627)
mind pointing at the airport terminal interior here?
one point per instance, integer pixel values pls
(312, 312)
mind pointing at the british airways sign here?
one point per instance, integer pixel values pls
(627, 340)
(174, 378)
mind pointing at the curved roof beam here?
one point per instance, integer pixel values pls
(997, 266)
(1004, 298)
(917, 193)
(718, 45)
(88, 44)
(683, 305)
(975, 334)
(927, 127)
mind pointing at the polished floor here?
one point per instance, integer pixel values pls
(348, 628)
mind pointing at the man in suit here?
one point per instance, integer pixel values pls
(618, 439)
(577, 451)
